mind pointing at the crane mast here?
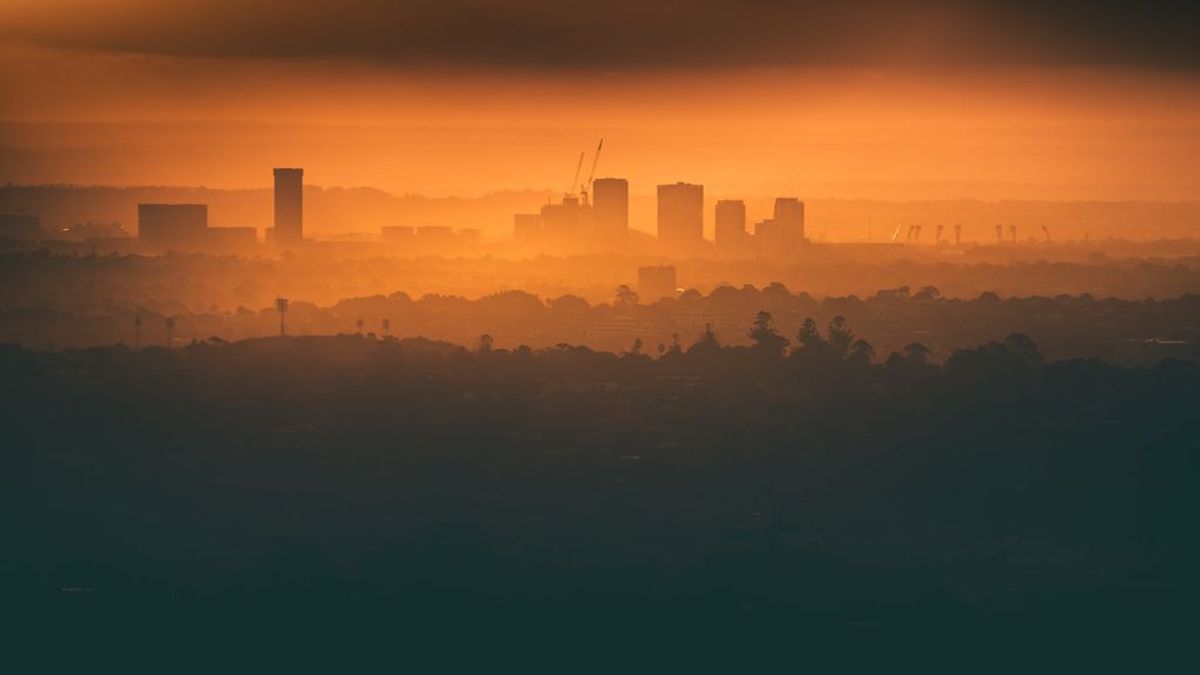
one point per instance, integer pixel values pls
(586, 188)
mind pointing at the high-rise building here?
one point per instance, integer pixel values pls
(731, 224)
(173, 226)
(610, 209)
(681, 217)
(289, 206)
(789, 213)
(772, 237)
(564, 226)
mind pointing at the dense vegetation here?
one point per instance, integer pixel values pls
(796, 477)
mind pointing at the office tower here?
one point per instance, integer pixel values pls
(789, 213)
(173, 226)
(657, 282)
(771, 237)
(289, 206)
(610, 209)
(565, 225)
(681, 217)
(731, 224)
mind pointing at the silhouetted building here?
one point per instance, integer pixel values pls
(610, 209)
(771, 237)
(289, 206)
(437, 237)
(730, 224)
(400, 234)
(173, 226)
(565, 224)
(527, 227)
(789, 213)
(657, 282)
(681, 217)
(20, 226)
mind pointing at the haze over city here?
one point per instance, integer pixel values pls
(750, 317)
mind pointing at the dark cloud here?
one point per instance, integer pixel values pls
(621, 34)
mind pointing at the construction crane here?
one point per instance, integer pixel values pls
(586, 188)
(575, 180)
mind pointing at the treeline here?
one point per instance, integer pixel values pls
(1131, 332)
(799, 475)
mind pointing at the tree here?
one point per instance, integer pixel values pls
(636, 348)
(809, 337)
(1024, 348)
(766, 339)
(861, 353)
(917, 353)
(840, 335)
(485, 343)
(928, 293)
(707, 344)
(626, 296)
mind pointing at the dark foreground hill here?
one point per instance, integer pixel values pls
(813, 486)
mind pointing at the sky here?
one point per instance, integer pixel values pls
(897, 100)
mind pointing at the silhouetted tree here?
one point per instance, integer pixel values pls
(636, 348)
(767, 339)
(707, 345)
(861, 353)
(626, 296)
(917, 352)
(927, 293)
(839, 335)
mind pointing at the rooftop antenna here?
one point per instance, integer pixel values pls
(281, 306)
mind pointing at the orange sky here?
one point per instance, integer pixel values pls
(98, 115)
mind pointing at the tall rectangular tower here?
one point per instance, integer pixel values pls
(731, 224)
(289, 206)
(610, 209)
(789, 213)
(681, 217)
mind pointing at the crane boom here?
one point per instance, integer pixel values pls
(592, 175)
(578, 168)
